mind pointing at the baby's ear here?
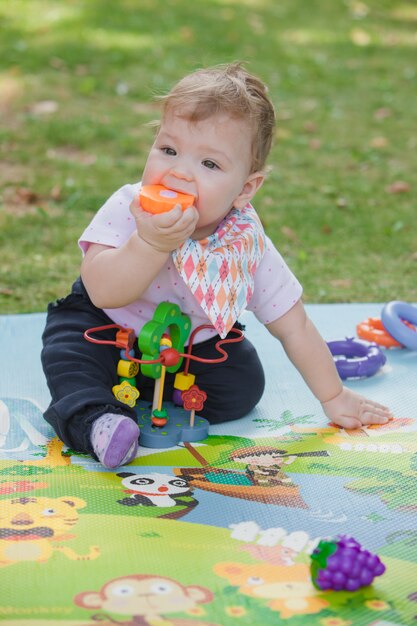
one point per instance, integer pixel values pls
(253, 182)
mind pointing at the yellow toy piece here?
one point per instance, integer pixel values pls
(183, 381)
(126, 393)
(127, 369)
(165, 341)
(159, 199)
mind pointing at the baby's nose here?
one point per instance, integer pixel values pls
(182, 172)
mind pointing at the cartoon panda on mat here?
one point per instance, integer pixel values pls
(162, 490)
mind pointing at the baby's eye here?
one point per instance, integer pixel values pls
(169, 151)
(210, 164)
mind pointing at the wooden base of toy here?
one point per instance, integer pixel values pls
(177, 428)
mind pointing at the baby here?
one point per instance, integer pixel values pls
(212, 259)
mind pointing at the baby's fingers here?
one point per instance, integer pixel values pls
(169, 218)
(374, 413)
(136, 209)
(184, 225)
(349, 423)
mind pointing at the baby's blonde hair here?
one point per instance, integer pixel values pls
(226, 89)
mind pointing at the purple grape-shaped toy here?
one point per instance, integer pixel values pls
(342, 564)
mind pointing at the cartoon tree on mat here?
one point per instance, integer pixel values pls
(285, 419)
(392, 487)
(24, 470)
(408, 536)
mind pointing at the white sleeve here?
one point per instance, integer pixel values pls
(113, 224)
(276, 288)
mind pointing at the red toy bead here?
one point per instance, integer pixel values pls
(170, 357)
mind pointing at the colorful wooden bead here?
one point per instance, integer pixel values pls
(127, 369)
(183, 381)
(126, 393)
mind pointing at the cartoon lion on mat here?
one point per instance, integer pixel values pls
(30, 525)
(288, 588)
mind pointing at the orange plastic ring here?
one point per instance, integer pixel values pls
(373, 329)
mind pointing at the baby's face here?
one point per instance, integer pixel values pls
(210, 159)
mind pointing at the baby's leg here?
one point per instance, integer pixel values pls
(80, 377)
(233, 387)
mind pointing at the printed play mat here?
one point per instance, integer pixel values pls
(216, 532)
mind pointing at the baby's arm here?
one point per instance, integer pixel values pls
(115, 277)
(311, 356)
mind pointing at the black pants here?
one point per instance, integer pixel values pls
(80, 374)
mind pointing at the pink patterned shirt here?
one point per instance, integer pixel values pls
(276, 288)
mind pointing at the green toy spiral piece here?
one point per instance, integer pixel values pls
(167, 316)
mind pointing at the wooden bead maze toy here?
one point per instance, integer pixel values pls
(161, 345)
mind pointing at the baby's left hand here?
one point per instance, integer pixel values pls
(350, 410)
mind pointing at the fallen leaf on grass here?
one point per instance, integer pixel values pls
(310, 127)
(24, 195)
(24, 200)
(399, 186)
(341, 282)
(187, 34)
(72, 155)
(144, 108)
(341, 203)
(314, 144)
(56, 192)
(382, 113)
(45, 107)
(57, 63)
(328, 190)
(284, 115)
(11, 89)
(359, 10)
(360, 37)
(282, 133)
(378, 142)
(256, 24)
(289, 233)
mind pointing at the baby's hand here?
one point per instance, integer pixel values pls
(350, 410)
(166, 231)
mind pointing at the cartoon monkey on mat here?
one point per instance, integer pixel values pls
(146, 599)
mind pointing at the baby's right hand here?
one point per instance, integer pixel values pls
(165, 231)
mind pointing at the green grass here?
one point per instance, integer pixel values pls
(77, 81)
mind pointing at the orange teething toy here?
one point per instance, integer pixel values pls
(159, 199)
(373, 329)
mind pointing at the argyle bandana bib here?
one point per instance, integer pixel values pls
(220, 269)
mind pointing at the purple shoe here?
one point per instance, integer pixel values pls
(115, 439)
